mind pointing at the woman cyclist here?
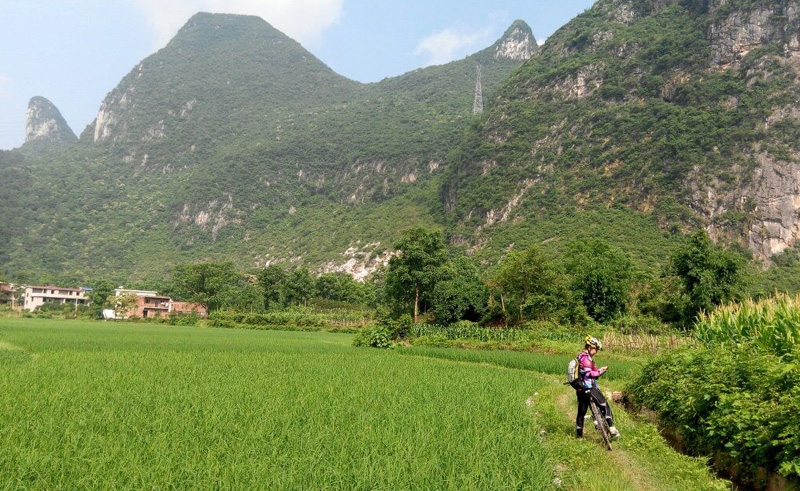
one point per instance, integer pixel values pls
(589, 374)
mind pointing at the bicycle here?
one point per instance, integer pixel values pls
(600, 423)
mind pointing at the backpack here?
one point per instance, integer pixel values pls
(574, 373)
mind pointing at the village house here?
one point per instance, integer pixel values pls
(36, 296)
(150, 304)
(7, 295)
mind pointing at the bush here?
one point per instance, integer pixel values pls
(189, 319)
(374, 337)
(738, 402)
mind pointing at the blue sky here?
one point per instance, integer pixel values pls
(75, 51)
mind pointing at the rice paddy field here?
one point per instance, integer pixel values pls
(126, 406)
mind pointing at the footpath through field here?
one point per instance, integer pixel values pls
(640, 460)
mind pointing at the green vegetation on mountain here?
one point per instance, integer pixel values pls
(635, 108)
(233, 142)
(636, 122)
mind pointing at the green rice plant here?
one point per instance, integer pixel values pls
(553, 364)
(148, 406)
(772, 324)
(471, 331)
(96, 405)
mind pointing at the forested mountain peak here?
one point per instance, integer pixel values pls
(45, 125)
(235, 142)
(216, 63)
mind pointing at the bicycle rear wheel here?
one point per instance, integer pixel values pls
(600, 423)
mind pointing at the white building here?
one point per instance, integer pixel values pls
(36, 296)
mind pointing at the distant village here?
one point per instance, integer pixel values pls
(130, 303)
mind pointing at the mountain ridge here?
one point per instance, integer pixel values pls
(214, 144)
(652, 107)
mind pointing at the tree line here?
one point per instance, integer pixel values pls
(590, 281)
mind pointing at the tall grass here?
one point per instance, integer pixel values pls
(643, 343)
(297, 318)
(772, 324)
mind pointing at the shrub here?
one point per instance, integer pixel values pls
(374, 337)
(739, 402)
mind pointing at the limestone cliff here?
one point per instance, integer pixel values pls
(686, 111)
(518, 43)
(45, 124)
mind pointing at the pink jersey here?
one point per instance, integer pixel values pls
(589, 373)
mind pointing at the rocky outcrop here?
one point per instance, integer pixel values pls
(360, 261)
(518, 43)
(776, 193)
(734, 35)
(45, 124)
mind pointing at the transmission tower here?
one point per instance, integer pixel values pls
(477, 107)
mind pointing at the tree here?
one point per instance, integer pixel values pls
(462, 295)
(123, 303)
(205, 283)
(242, 296)
(709, 274)
(526, 285)
(414, 271)
(340, 287)
(299, 287)
(101, 291)
(601, 277)
(272, 281)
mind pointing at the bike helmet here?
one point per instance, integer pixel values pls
(593, 342)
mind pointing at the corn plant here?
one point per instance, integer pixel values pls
(772, 324)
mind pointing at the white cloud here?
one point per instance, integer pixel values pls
(450, 43)
(302, 20)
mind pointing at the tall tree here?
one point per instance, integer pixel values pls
(414, 271)
(601, 276)
(709, 274)
(462, 295)
(102, 290)
(272, 281)
(205, 283)
(299, 287)
(340, 287)
(526, 282)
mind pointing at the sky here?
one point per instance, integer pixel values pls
(74, 52)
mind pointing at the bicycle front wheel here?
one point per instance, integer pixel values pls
(600, 423)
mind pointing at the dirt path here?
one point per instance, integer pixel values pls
(638, 476)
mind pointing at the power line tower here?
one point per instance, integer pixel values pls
(477, 107)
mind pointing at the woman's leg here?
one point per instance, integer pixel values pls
(603, 405)
(583, 405)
